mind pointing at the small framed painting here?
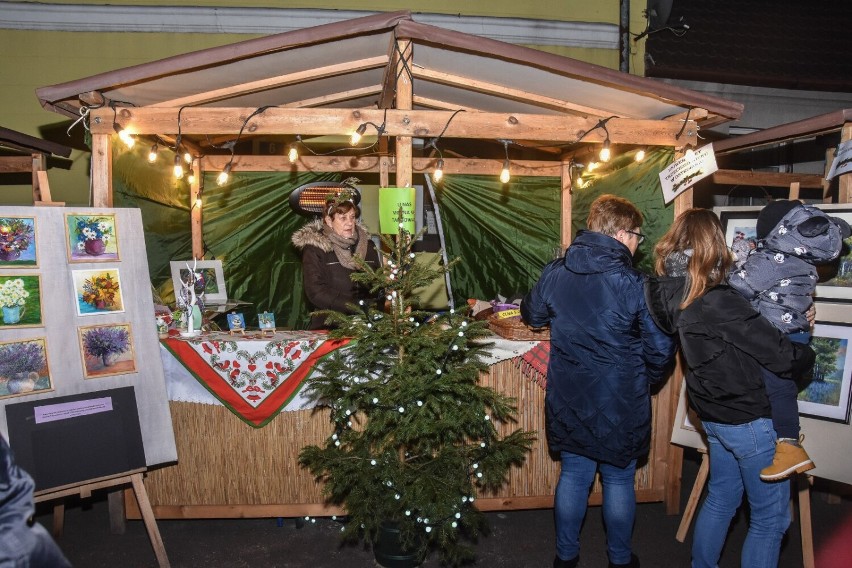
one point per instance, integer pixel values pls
(18, 242)
(826, 396)
(687, 430)
(209, 278)
(23, 368)
(266, 320)
(107, 350)
(97, 291)
(236, 321)
(20, 300)
(91, 238)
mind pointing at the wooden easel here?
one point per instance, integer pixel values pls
(84, 490)
(803, 482)
(41, 190)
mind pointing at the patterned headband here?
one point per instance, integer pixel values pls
(338, 198)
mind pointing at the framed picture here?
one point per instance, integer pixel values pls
(266, 320)
(236, 321)
(835, 278)
(18, 242)
(20, 300)
(97, 291)
(91, 238)
(107, 350)
(826, 396)
(211, 278)
(23, 367)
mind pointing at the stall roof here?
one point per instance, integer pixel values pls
(20, 142)
(353, 64)
(806, 128)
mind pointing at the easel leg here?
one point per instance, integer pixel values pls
(150, 521)
(804, 487)
(694, 497)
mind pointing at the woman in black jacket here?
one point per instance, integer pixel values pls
(329, 249)
(725, 342)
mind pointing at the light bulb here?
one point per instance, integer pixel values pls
(293, 154)
(124, 135)
(198, 202)
(178, 167)
(187, 157)
(505, 176)
(152, 155)
(356, 136)
(606, 153)
(191, 177)
(224, 175)
(640, 155)
(439, 171)
(592, 166)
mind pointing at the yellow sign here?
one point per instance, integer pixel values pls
(391, 199)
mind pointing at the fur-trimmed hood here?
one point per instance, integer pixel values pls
(311, 234)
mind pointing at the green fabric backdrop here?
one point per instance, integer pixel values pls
(503, 234)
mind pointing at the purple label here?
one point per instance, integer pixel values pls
(53, 412)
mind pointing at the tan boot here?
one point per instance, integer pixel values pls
(789, 457)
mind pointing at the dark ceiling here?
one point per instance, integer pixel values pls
(785, 44)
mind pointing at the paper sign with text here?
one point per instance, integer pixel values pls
(685, 172)
(390, 201)
(842, 161)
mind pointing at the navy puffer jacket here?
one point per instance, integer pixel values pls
(605, 351)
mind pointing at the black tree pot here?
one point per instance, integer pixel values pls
(391, 553)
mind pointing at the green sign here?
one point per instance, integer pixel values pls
(391, 199)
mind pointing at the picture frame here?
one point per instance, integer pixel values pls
(107, 349)
(91, 237)
(835, 278)
(20, 300)
(18, 242)
(24, 367)
(236, 321)
(827, 395)
(211, 270)
(97, 291)
(266, 320)
(687, 430)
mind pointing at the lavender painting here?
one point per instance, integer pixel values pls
(107, 350)
(23, 368)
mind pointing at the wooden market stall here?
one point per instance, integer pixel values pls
(418, 89)
(27, 154)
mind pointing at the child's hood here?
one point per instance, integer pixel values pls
(808, 233)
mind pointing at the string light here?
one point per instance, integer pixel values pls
(356, 136)
(505, 175)
(606, 153)
(224, 175)
(640, 155)
(152, 155)
(293, 153)
(178, 170)
(439, 171)
(123, 133)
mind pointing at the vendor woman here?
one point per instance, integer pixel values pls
(329, 247)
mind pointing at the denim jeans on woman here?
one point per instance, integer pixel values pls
(737, 454)
(572, 497)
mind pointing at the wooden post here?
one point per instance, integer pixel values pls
(38, 166)
(195, 203)
(794, 191)
(404, 101)
(101, 170)
(844, 187)
(567, 180)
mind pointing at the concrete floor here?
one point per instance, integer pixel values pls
(518, 539)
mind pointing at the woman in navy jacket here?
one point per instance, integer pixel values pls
(605, 353)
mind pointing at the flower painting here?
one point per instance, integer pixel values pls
(97, 291)
(20, 301)
(23, 368)
(91, 238)
(107, 350)
(17, 242)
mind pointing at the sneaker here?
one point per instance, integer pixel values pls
(559, 563)
(790, 458)
(634, 563)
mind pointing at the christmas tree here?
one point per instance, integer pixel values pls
(414, 433)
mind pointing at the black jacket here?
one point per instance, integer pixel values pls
(605, 351)
(328, 284)
(725, 342)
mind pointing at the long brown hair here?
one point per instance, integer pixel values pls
(700, 231)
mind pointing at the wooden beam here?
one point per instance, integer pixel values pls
(516, 95)
(387, 98)
(101, 170)
(275, 82)
(332, 98)
(440, 105)
(415, 123)
(771, 179)
(844, 182)
(196, 208)
(565, 198)
(15, 164)
(404, 92)
(355, 164)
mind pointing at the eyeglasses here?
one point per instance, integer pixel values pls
(639, 236)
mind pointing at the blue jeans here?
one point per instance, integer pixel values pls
(572, 498)
(737, 454)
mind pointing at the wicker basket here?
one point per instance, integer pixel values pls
(515, 329)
